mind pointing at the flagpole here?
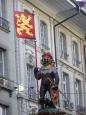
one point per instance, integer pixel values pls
(36, 61)
(35, 53)
(36, 65)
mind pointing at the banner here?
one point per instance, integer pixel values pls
(24, 25)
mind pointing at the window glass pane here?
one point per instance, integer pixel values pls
(85, 57)
(3, 62)
(31, 82)
(44, 34)
(1, 110)
(63, 45)
(1, 68)
(0, 55)
(29, 73)
(77, 93)
(66, 86)
(78, 96)
(30, 76)
(4, 111)
(0, 8)
(75, 54)
(3, 8)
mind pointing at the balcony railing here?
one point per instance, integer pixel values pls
(80, 109)
(4, 24)
(32, 94)
(27, 92)
(68, 104)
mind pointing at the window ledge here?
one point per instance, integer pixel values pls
(81, 110)
(6, 85)
(20, 95)
(5, 30)
(69, 108)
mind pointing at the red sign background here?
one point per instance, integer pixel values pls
(24, 24)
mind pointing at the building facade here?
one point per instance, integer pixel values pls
(70, 53)
(70, 59)
(17, 58)
(8, 98)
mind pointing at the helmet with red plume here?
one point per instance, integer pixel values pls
(46, 58)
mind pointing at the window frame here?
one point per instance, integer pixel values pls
(29, 72)
(4, 23)
(5, 62)
(66, 92)
(75, 52)
(63, 45)
(3, 12)
(44, 42)
(3, 110)
(31, 86)
(2, 62)
(78, 95)
(85, 57)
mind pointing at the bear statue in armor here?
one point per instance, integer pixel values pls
(49, 80)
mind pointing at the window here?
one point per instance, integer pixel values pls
(31, 82)
(44, 35)
(3, 22)
(3, 62)
(29, 42)
(63, 45)
(30, 74)
(66, 86)
(75, 54)
(3, 9)
(2, 110)
(78, 95)
(85, 57)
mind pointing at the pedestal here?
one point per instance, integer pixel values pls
(51, 111)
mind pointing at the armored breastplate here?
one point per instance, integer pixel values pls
(47, 72)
